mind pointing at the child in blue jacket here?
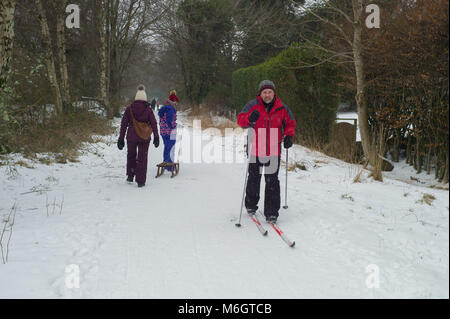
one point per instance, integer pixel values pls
(167, 123)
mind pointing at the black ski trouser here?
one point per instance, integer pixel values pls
(272, 191)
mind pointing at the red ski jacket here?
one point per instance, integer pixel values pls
(270, 128)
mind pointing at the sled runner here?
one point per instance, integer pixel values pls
(173, 167)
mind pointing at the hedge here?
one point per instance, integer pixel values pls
(312, 93)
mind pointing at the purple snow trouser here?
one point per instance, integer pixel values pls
(137, 160)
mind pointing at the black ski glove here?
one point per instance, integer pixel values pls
(288, 141)
(156, 141)
(253, 117)
(120, 143)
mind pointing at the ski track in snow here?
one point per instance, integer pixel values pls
(175, 238)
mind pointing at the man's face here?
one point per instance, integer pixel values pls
(267, 95)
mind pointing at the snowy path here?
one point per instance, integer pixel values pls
(176, 238)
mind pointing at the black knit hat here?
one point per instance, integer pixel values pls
(266, 84)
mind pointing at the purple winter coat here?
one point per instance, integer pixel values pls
(142, 113)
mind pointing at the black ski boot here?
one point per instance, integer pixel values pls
(271, 219)
(141, 185)
(251, 211)
(130, 179)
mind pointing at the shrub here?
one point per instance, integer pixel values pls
(312, 93)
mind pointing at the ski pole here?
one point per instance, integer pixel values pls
(249, 151)
(285, 189)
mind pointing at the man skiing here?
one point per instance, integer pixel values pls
(271, 122)
(137, 155)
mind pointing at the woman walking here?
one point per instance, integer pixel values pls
(138, 122)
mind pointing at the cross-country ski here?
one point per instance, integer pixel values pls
(258, 224)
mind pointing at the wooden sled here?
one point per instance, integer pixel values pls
(174, 169)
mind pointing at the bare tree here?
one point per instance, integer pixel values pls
(361, 99)
(49, 57)
(206, 57)
(60, 7)
(103, 6)
(7, 9)
(349, 25)
(129, 23)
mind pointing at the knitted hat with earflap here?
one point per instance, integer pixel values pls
(141, 95)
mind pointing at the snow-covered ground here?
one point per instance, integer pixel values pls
(80, 231)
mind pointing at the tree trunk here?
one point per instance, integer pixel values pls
(115, 82)
(437, 163)
(361, 99)
(396, 150)
(114, 59)
(114, 89)
(116, 100)
(428, 160)
(49, 58)
(104, 92)
(408, 150)
(445, 179)
(7, 10)
(61, 44)
(419, 155)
